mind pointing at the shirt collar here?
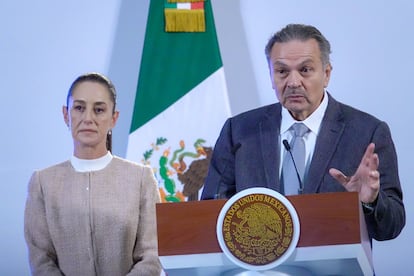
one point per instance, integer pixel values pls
(313, 122)
(89, 165)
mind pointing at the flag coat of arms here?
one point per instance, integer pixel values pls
(181, 101)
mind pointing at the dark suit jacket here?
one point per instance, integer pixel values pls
(247, 155)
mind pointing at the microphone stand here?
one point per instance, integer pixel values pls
(288, 148)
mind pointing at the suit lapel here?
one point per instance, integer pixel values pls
(330, 132)
(269, 129)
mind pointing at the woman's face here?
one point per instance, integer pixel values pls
(90, 116)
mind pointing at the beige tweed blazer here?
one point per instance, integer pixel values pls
(92, 223)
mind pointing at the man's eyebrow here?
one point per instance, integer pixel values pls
(279, 63)
(308, 60)
(282, 64)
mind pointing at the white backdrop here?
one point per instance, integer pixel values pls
(46, 44)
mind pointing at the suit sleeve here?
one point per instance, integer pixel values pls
(388, 218)
(220, 179)
(42, 254)
(145, 255)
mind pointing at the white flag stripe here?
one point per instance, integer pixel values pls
(184, 6)
(187, 118)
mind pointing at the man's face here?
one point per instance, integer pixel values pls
(298, 76)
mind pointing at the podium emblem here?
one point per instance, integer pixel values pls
(258, 229)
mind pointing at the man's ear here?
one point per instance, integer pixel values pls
(328, 71)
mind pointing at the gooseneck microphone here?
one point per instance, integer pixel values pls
(288, 148)
(233, 150)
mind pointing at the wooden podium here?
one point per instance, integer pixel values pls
(333, 236)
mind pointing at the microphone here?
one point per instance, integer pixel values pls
(288, 148)
(233, 150)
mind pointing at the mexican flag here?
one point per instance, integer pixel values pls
(181, 101)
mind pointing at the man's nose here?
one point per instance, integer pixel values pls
(294, 80)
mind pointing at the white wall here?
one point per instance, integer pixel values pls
(46, 44)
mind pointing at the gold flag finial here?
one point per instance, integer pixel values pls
(184, 16)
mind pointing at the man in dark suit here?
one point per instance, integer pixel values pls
(346, 149)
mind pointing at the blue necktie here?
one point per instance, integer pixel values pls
(297, 145)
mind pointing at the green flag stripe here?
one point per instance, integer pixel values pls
(172, 64)
(170, 5)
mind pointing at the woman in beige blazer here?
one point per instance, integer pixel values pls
(95, 213)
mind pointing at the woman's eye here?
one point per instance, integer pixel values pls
(78, 107)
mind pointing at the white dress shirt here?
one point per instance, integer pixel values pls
(313, 122)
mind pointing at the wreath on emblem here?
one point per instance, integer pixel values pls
(189, 167)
